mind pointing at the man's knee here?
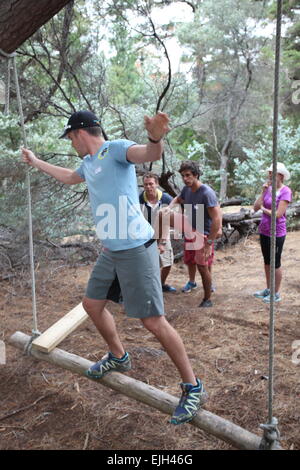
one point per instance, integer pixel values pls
(153, 324)
(203, 269)
(92, 306)
(86, 303)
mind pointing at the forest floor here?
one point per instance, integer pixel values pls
(45, 407)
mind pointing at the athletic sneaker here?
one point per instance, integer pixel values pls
(189, 286)
(107, 364)
(267, 298)
(206, 303)
(261, 294)
(167, 288)
(193, 396)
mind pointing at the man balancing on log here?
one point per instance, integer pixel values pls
(129, 260)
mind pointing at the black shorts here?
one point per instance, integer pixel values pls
(265, 244)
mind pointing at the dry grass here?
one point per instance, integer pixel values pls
(228, 346)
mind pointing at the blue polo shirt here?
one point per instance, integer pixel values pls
(113, 193)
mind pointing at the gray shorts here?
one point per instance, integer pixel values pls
(132, 275)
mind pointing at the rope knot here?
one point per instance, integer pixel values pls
(28, 346)
(271, 436)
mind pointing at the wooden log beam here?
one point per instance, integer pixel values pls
(235, 216)
(238, 201)
(162, 401)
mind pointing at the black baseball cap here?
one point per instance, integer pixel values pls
(80, 120)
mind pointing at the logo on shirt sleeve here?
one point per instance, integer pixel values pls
(103, 154)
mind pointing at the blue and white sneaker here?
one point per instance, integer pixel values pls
(206, 303)
(277, 298)
(168, 288)
(189, 286)
(193, 396)
(107, 364)
(261, 294)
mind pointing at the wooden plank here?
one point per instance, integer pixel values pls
(213, 424)
(47, 341)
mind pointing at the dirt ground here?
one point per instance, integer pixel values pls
(45, 407)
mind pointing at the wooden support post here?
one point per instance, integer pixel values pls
(48, 340)
(162, 401)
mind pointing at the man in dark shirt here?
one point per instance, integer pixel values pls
(204, 213)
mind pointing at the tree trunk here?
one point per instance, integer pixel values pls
(223, 167)
(223, 177)
(20, 19)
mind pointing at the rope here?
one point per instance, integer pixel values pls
(35, 331)
(271, 433)
(12, 57)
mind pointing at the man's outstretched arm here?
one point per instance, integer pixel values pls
(64, 175)
(157, 127)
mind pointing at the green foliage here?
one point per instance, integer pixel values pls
(290, 52)
(11, 194)
(252, 172)
(125, 84)
(233, 77)
(199, 152)
(53, 213)
(111, 57)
